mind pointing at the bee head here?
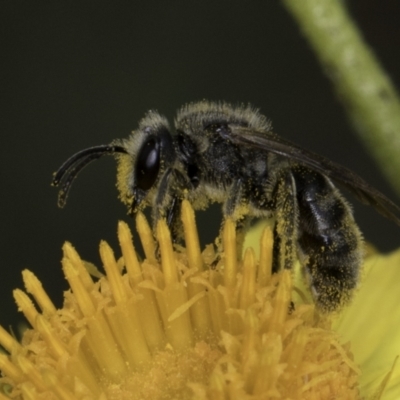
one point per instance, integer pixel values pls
(149, 154)
(143, 159)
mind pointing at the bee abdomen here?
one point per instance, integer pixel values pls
(328, 238)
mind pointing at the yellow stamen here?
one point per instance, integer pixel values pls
(200, 313)
(114, 277)
(26, 306)
(73, 256)
(10, 369)
(229, 240)
(146, 306)
(191, 237)
(8, 342)
(179, 331)
(184, 327)
(100, 338)
(34, 287)
(56, 347)
(128, 251)
(81, 295)
(265, 268)
(281, 302)
(249, 279)
(29, 369)
(167, 254)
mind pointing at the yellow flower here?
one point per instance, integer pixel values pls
(192, 326)
(372, 324)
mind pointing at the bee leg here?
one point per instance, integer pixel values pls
(285, 230)
(329, 241)
(234, 198)
(168, 205)
(173, 223)
(173, 219)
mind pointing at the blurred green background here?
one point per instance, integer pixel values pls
(77, 74)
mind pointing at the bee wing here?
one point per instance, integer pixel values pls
(344, 176)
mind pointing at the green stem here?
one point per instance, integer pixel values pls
(369, 97)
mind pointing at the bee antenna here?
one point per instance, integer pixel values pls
(71, 168)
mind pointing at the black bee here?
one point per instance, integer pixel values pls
(225, 154)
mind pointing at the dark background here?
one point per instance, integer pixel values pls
(77, 74)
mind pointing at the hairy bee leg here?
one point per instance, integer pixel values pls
(167, 205)
(329, 241)
(285, 230)
(173, 219)
(160, 205)
(234, 198)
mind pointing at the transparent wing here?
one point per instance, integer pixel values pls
(344, 176)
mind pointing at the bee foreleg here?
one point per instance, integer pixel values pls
(168, 205)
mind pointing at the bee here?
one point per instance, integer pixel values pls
(228, 154)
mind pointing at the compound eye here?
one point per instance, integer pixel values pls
(148, 164)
